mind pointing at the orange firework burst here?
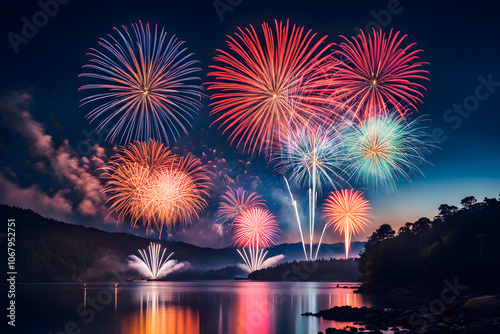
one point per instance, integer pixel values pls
(263, 86)
(148, 183)
(347, 211)
(235, 202)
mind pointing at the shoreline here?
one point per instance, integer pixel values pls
(467, 315)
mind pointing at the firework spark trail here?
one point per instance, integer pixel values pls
(255, 258)
(314, 157)
(384, 148)
(234, 202)
(147, 182)
(255, 229)
(154, 262)
(294, 202)
(146, 85)
(378, 74)
(347, 212)
(264, 86)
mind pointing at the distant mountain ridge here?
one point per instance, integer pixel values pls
(327, 251)
(48, 250)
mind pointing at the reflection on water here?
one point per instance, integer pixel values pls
(252, 313)
(231, 307)
(218, 307)
(158, 313)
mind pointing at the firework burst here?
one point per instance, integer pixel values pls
(384, 148)
(147, 182)
(145, 85)
(255, 229)
(378, 74)
(347, 212)
(234, 202)
(314, 158)
(263, 86)
(153, 262)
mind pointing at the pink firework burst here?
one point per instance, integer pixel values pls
(256, 228)
(234, 202)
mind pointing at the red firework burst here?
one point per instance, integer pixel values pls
(256, 228)
(378, 74)
(262, 86)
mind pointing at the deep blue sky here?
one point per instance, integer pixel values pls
(460, 40)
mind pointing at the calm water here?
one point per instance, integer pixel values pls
(185, 307)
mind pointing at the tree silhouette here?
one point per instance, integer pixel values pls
(468, 202)
(490, 201)
(406, 229)
(446, 210)
(427, 252)
(385, 231)
(422, 224)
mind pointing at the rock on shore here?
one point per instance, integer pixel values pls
(471, 318)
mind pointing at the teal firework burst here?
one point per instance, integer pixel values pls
(385, 148)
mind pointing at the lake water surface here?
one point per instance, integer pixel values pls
(218, 307)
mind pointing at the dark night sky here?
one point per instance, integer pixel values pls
(460, 40)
